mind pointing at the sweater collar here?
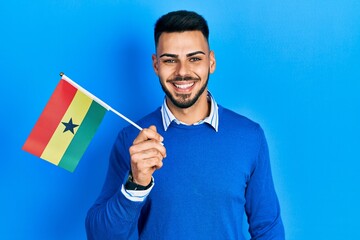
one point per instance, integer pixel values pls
(212, 119)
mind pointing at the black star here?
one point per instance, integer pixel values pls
(69, 126)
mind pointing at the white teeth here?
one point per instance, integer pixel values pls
(184, 86)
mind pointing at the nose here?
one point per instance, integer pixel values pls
(182, 69)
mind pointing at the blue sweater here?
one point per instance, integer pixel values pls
(207, 181)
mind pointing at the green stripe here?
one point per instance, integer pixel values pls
(82, 137)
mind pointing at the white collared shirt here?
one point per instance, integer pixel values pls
(212, 119)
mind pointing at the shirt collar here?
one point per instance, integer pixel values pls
(212, 119)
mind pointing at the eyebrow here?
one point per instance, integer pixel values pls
(176, 55)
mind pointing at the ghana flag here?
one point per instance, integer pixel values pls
(66, 125)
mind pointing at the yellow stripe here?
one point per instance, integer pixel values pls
(60, 140)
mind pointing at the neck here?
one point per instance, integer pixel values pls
(193, 114)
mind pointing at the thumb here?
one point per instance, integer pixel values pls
(153, 127)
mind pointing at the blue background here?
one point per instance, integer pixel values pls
(292, 66)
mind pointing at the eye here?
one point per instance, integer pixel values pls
(195, 59)
(169, 61)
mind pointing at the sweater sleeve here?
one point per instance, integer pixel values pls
(262, 206)
(113, 216)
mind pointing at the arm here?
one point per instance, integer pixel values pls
(115, 216)
(262, 206)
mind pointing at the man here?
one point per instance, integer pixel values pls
(210, 165)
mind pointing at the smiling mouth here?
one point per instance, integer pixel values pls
(184, 86)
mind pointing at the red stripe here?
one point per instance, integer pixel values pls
(50, 118)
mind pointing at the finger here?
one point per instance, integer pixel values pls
(148, 153)
(148, 133)
(146, 146)
(151, 153)
(153, 127)
(149, 164)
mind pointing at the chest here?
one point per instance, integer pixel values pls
(205, 167)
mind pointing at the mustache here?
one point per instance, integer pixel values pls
(183, 78)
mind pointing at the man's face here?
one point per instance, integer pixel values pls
(183, 63)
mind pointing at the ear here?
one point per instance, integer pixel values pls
(155, 64)
(212, 62)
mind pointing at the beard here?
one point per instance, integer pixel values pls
(184, 100)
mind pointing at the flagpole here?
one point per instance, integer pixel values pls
(125, 118)
(66, 78)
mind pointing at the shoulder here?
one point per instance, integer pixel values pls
(229, 118)
(247, 132)
(153, 118)
(239, 126)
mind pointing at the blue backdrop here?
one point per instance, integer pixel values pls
(292, 66)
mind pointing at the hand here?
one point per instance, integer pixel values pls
(147, 153)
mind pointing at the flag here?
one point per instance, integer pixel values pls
(66, 125)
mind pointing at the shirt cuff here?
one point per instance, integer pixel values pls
(136, 195)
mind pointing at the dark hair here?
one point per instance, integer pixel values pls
(180, 21)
